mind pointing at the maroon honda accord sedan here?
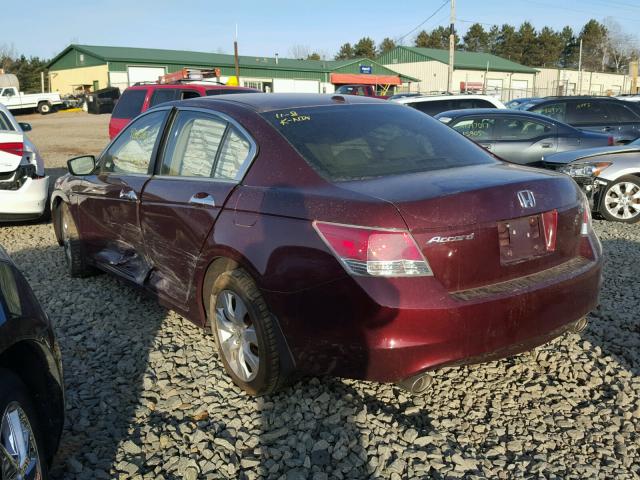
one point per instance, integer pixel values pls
(319, 234)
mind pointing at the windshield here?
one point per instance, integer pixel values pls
(352, 142)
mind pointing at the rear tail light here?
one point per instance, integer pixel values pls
(550, 227)
(374, 251)
(611, 142)
(585, 229)
(15, 148)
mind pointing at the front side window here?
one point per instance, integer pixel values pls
(476, 129)
(557, 111)
(587, 112)
(355, 142)
(234, 157)
(131, 152)
(521, 129)
(193, 145)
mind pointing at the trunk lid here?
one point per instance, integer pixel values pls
(455, 215)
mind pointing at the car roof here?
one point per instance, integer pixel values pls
(265, 102)
(188, 86)
(494, 111)
(431, 98)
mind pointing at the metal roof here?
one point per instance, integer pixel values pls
(462, 60)
(185, 57)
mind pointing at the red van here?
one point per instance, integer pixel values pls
(139, 98)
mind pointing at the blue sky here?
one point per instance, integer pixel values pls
(267, 27)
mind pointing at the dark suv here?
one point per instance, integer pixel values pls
(140, 98)
(599, 114)
(31, 392)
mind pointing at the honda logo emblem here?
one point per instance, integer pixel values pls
(526, 199)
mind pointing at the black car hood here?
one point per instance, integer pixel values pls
(572, 156)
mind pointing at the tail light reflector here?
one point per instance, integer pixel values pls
(611, 141)
(374, 251)
(550, 227)
(15, 148)
(585, 229)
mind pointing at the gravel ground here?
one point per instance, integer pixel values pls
(147, 396)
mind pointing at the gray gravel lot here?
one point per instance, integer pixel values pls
(148, 398)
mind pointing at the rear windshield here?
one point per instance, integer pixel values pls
(352, 142)
(5, 124)
(130, 104)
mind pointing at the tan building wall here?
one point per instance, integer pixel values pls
(68, 81)
(552, 81)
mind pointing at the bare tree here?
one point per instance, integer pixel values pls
(299, 51)
(620, 45)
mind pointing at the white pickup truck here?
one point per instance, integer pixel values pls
(13, 99)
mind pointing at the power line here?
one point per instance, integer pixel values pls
(400, 39)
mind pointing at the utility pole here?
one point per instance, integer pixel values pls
(235, 56)
(452, 45)
(580, 67)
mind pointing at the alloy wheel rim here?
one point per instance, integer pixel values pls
(237, 335)
(622, 200)
(19, 458)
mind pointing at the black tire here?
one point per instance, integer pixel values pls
(44, 108)
(270, 376)
(73, 249)
(13, 393)
(628, 184)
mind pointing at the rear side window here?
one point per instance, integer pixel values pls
(9, 293)
(185, 94)
(557, 111)
(234, 158)
(5, 124)
(130, 104)
(480, 103)
(477, 129)
(621, 113)
(432, 108)
(162, 95)
(193, 145)
(353, 142)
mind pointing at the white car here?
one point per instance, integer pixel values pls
(24, 188)
(432, 105)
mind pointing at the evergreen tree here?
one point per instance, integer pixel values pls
(365, 48)
(476, 39)
(386, 45)
(345, 52)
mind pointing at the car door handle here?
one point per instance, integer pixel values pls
(547, 145)
(203, 199)
(128, 195)
(607, 129)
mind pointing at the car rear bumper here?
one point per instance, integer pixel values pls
(26, 203)
(385, 334)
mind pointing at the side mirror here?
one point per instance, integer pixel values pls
(84, 165)
(26, 127)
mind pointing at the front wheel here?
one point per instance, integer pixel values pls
(73, 250)
(245, 334)
(21, 452)
(621, 200)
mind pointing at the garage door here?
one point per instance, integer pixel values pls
(519, 88)
(144, 74)
(295, 86)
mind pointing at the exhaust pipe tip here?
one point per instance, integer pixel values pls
(416, 384)
(579, 325)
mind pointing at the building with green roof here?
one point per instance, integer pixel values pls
(90, 67)
(473, 72)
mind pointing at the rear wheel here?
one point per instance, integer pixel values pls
(21, 452)
(44, 108)
(245, 333)
(621, 202)
(73, 250)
